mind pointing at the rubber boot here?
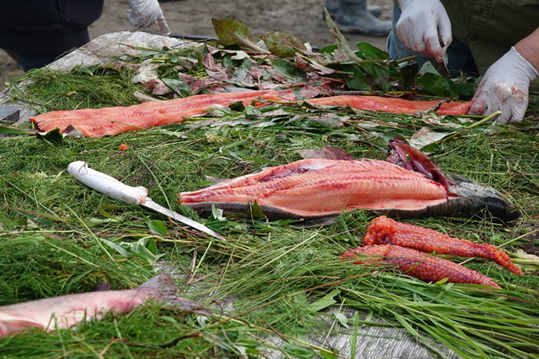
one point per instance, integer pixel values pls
(333, 7)
(354, 18)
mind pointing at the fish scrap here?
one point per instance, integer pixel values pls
(69, 310)
(383, 230)
(423, 266)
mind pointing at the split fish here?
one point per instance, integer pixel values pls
(68, 310)
(315, 189)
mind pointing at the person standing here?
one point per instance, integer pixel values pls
(355, 17)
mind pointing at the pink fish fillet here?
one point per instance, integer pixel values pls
(68, 310)
(319, 187)
(110, 121)
(395, 105)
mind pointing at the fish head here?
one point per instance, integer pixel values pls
(477, 197)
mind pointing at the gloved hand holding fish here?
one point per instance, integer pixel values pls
(314, 189)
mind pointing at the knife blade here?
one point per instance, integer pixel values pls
(133, 195)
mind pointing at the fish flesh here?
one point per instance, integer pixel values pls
(317, 188)
(314, 189)
(423, 266)
(388, 231)
(394, 105)
(109, 121)
(68, 310)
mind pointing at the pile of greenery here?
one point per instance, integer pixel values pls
(269, 279)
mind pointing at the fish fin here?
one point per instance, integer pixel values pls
(15, 325)
(168, 294)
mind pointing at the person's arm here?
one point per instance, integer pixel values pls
(505, 85)
(424, 27)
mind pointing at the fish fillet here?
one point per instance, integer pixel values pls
(109, 121)
(394, 105)
(417, 264)
(317, 187)
(386, 230)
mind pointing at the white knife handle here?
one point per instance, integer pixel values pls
(107, 184)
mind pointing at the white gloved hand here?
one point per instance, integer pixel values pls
(505, 87)
(144, 13)
(424, 27)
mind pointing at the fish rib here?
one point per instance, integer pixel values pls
(417, 264)
(110, 121)
(385, 230)
(311, 187)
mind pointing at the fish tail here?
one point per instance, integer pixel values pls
(164, 290)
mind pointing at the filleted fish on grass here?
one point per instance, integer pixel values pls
(318, 188)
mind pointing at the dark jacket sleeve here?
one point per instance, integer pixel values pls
(46, 27)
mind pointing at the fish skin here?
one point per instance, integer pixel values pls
(109, 121)
(316, 188)
(394, 105)
(423, 266)
(71, 309)
(389, 231)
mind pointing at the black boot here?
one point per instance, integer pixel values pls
(333, 7)
(354, 18)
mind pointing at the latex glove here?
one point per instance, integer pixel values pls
(144, 13)
(505, 87)
(424, 27)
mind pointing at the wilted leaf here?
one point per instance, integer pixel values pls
(283, 44)
(178, 86)
(288, 71)
(233, 32)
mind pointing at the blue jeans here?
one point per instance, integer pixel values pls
(459, 56)
(29, 62)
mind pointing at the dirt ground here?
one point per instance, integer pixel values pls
(301, 18)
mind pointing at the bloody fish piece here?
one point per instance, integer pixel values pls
(317, 188)
(109, 121)
(386, 230)
(394, 105)
(72, 308)
(423, 266)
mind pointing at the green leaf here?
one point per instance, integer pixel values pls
(324, 302)
(178, 86)
(438, 85)
(291, 73)
(283, 44)
(358, 81)
(157, 227)
(13, 131)
(371, 52)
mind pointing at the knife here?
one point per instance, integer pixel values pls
(133, 195)
(441, 67)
